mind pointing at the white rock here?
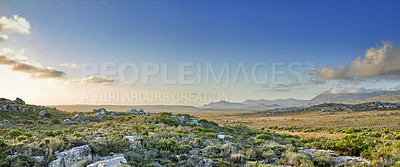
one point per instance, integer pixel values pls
(74, 157)
(114, 162)
(42, 113)
(99, 115)
(224, 136)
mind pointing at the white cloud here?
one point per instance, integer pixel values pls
(94, 79)
(3, 37)
(337, 90)
(15, 24)
(377, 62)
(6, 51)
(70, 65)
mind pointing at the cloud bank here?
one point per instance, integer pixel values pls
(377, 62)
(95, 79)
(15, 24)
(3, 37)
(69, 65)
(338, 90)
(35, 71)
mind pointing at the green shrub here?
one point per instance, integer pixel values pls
(296, 159)
(26, 122)
(15, 133)
(322, 159)
(48, 114)
(41, 122)
(264, 136)
(115, 143)
(22, 137)
(55, 121)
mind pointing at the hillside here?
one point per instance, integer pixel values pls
(277, 102)
(225, 105)
(344, 97)
(390, 98)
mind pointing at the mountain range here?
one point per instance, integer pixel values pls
(347, 98)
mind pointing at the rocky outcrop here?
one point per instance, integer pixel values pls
(75, 157)
(113, 162)
(136, 112)
(336, 159)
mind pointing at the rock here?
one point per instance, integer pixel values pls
(103, 111)
(182, 118)
(99, 116)
(193, 121)
(113, 162)
(134, 140)
(78, 116)
(42, 113)
(336, 159)
(74, 157)
(136, 112)
(67, 121)
(224, 137)
(152, 133)
(132, 111)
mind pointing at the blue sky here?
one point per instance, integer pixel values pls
(325, 32)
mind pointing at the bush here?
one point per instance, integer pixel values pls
(296, 159)
(15, 133)
(115, 143)
(237, 158)
(26, 122)
(55, 121)
(322, 159)
(264, 136)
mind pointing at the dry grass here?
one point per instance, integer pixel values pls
(309, 119)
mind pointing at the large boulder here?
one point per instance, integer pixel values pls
(74, 157)
(113, 162)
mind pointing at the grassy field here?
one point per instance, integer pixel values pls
(324, 123)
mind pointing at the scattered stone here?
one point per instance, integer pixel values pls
(99, 115)
(134, 140)
(67, 121)
(78, 116)
(136, 112)
(193, 121)
(113, 162)
(152, 133)
(336, 159)
(101, 110)
(42, 113)
(74, 157)
(223, 137)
